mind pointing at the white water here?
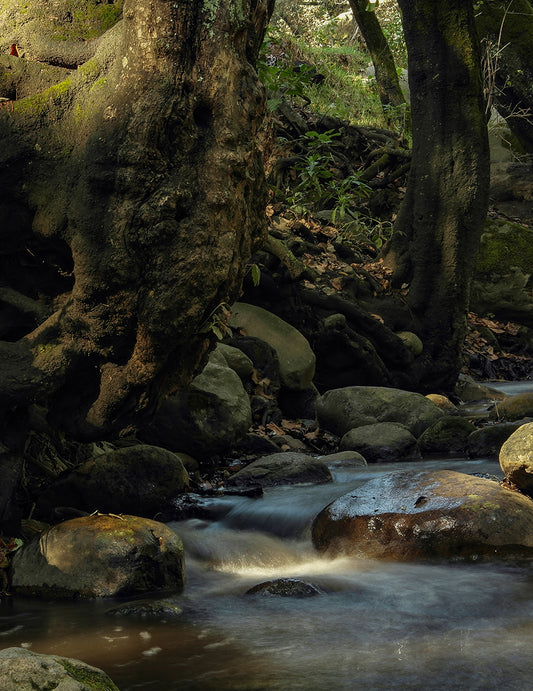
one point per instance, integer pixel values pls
(378, 625)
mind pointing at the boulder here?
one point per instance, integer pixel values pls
(100, 556)
(236, 360)
(285, 587)
(153, 609)
(341, 410)
(448, 436)
(516, 458)
(296, 359)
(344, 459)
(206, 419)
(426, 515)
(514, 407)
(384, 442)
(502, 284)
(469, 390)
(288, 468)
(412, 341)
(487, 441)
(139, 479)
(24, 670)
(443, 402)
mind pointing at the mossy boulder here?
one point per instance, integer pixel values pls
(514, 407)
(341, 410)
(139, 479)
(448, 436)
(22, 669)
(383, 442)
(286, 468)
(100, 556)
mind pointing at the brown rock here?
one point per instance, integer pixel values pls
(418, 515)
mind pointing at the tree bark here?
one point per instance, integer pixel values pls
(507, 28)
(436, 234)
(387, 81)
(138, 183)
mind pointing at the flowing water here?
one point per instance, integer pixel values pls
(377, 626)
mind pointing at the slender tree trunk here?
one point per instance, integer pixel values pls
(436, 235)
(141, 171)
(387, 81)
(507, 29)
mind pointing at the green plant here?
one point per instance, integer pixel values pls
(363, 228)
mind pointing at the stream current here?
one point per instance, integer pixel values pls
(378, 625)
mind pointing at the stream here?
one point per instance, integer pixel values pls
(377, 626)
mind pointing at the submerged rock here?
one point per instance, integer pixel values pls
(285, 587)
(159, 609)
(100, 556)
(341, 410)
(286, 468)
(516, 458)
(420, 515)
(22, 670)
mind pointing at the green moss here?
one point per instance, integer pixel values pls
(93, 20)
(92, 679)
(505, 245)
(41, 103)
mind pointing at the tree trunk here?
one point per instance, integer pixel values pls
(387, 81)
(133, 192)
(436, 234)
(507, 28)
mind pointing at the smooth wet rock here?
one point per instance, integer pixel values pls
(206, 419)
(140, 480)
(384, 442)
(285, 587)
(516, 458)
(288, 468)
(100, 556)
(427, 515)
(341, 410)
(448, 436)
(296, 359)
(24, 670)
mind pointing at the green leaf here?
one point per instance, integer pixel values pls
(256, 275)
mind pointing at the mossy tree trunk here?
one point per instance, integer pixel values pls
(436, 234)
(507, 30)
(131, 194)
(387, 81)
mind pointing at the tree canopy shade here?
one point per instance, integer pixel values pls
(137, 181)
(436, 234)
